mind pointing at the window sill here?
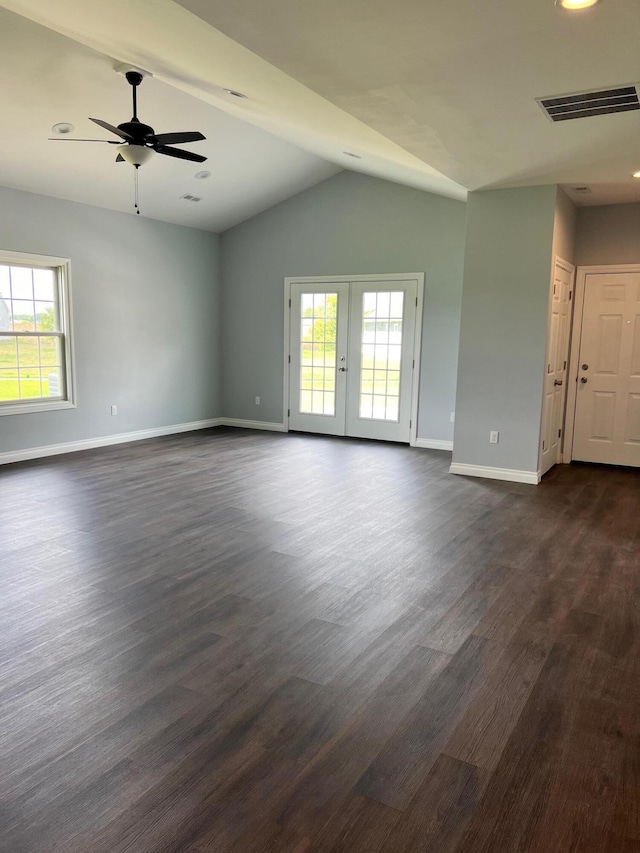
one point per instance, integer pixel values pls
(23, 408)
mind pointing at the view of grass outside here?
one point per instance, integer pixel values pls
(380, 356)
(30, 359)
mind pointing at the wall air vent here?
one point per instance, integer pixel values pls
(623, 99)
(582, 190)
(188, 197)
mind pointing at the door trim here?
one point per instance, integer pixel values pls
(571, 269)
(576, 337)
(417, 343)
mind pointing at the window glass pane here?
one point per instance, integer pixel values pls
(29, 380)
(305, 402)
(23, 319)
(8, 353)
(5, 289)
(50, 355)
(329, 403)
(397, 300)
(8, 384)
(46, 320)
(28, 352)
(21, 283)
(44, 285)
(52, 382)
(392, 413)
(366, 405)
(382, 307)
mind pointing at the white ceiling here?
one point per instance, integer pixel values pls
(439, 96)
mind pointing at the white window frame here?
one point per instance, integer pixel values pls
(62, 267)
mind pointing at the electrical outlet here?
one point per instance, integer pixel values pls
(452, 417)
(494, 436)
(257, 401)
(114, 410)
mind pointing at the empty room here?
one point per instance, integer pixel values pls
(319, 427)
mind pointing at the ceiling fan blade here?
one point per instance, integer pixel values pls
(75, 139)
(179, 153)
(177, 138)
(111, 128)
(119, 159)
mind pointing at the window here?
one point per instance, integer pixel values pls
(35, 326)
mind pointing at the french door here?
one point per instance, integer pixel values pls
(351, 356)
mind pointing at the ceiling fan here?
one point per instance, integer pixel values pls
(139, 141)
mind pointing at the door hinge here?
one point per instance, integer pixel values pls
(564, 366)
(559, 433)
(288, 413)
(570, 295)
(289, 359)
(289, 303)
(413, 363)
(544, 445)
(410, 424)
(416, 301)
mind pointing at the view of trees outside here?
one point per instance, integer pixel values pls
(30, 366)
(318, 353)
(381, 347)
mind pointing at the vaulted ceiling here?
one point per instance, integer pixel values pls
(439, 96)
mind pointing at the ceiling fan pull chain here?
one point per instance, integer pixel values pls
(137, 199)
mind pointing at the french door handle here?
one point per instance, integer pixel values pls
(342, 369)
(557, 381)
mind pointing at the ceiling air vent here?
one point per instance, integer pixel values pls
(582, 190)
(188, 197)
(584, 104)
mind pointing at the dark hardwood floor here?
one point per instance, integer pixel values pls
(252, 642)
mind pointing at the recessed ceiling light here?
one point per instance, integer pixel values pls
(576, 4)
(201, 176)
(351, 154)
(62, 128)
(636, 174)
(235, 93)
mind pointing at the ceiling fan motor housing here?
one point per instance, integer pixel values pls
(136, 130)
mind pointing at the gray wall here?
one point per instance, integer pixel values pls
(145, 300)
(609, 234)
(350, 224)
(504, 326)
(564, 229)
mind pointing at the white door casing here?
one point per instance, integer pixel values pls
(555, 379)
(365, 382)
(606, 367)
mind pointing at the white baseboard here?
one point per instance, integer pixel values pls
(242, 424)
(433, 444)
(510, 474)
(104, 441)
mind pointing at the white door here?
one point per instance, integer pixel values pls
(380, 378)
(555, 381)
(607, 421)
(351, 357)
(319, 324)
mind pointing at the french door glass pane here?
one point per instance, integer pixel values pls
(318, 315)
(381, 353)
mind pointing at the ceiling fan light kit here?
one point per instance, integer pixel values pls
(574, 5)
(138, 142)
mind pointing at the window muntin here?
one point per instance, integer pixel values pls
(35, 346)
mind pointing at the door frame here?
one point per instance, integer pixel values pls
(567, 266)
(417, 341)
(576, 337)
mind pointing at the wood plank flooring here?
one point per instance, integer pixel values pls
(250, 642)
